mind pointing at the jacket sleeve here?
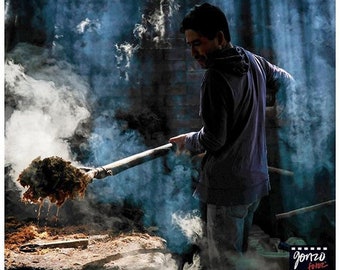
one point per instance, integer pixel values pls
(193, 144)
(277, 77)
(214, 113)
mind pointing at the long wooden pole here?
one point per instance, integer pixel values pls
(134, 160)
(304, 210)
(129, 162)
(280, 171)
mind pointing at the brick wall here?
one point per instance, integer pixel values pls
(169, 80)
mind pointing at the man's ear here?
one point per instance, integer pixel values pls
(220, 38)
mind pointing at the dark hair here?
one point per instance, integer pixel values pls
(207, 20)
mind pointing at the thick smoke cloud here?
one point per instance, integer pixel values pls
(91, 64)
(80, 78)
(48, 103)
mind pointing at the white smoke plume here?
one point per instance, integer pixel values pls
(155, 23)
(152, 26)
(124, 54)
(45, 102)
(88, 25)
(190, 224)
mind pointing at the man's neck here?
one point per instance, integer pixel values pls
(228, 45)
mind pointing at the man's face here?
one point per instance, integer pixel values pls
(200, 46)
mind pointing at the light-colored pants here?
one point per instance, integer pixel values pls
(227, 232)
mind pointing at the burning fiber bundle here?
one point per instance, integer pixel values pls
(58, 180)
(53, 178)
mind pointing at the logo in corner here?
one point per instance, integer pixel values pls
(308, 258)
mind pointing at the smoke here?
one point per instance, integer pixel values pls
(306, 48)
(124, 54)
(310, 106)
(155, 23)
(261, 253)
(159, 190)
(299, 37)
(254, 261)
(88, 25)
(152, 27)
(45, 102)
(159, 187)
(190, 224)
(93, 62)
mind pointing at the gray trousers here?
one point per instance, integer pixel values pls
(227, 233)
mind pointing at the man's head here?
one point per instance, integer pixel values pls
(206, 30)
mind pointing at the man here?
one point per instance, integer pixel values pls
(234, 172)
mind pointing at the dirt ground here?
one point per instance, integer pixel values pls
(102, 251)
(125, 251)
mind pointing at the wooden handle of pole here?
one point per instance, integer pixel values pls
(304, 210)
(280, 171)
(129, 162)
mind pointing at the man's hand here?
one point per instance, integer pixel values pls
(179, 141)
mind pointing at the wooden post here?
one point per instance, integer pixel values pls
(304, 210)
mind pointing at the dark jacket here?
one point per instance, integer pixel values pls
(233, 106)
